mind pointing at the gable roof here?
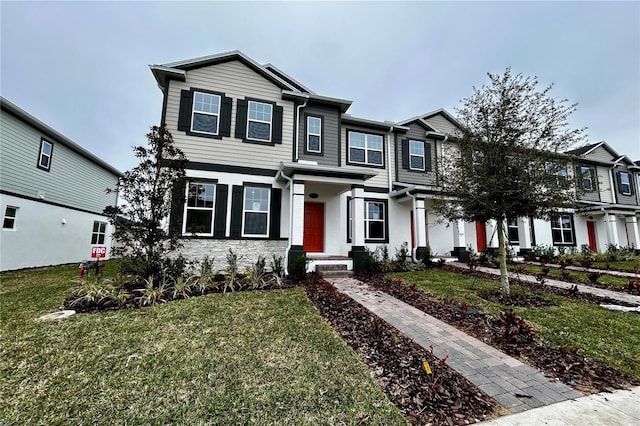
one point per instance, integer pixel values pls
(24, 116)
(588, 149)
(421, 119)
(286, 77)
(583, 150)
(178, 69)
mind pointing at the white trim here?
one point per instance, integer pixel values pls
(217, 114)
(628, 184)
(368, 220)
(270, 122)
(187, 208)
(319, 134)
(423, 156)
(43, 154)
(98, 233)
(245, 210)
(562, 229)
(589, 176)
(366, 148)
(14, 217)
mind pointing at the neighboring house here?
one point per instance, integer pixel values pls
(275, 168)
(52, 193)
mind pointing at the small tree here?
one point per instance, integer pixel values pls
(509, 159)
(144, 194)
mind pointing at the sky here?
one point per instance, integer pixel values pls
(82, 67)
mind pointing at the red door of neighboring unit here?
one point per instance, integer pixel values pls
(481, 236)
(591, 231)
(313, 240)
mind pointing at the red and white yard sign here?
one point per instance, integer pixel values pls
(98, 251)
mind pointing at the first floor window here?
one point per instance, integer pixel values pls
(198, 215)
(99, 229)
(46, 151)
(9, 221)
(206, 113)
(374, 220)
(365, 148)
(416, 155)
(562, 230)
(512, 231)
(259, 121)
(588, 175)
(256, 212)
(314, 134)
(625, 183)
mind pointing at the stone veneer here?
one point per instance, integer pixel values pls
(247, 250)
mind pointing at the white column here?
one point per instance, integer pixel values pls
(612, 229)
(357, 213)
(524, 233)
(631, 222)
(297, 229)
(459, 237)
(421, 224)
(492, 234)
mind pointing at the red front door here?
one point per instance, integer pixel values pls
(313, 240)
(591, 232)
(481, 236)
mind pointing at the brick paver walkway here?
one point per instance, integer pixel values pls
(516, 386)
(582, 288)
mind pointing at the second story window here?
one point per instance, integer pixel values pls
(206, 113)
(588, 175)
(314, 134)
(416, 155)
(46, 152)
(624, 183)
(365, 148)
(259, 121)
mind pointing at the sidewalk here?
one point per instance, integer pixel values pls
(582, 288)
(516, 386)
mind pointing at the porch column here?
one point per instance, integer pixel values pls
(358, 250)
(420, 229)
(612, 229)
(524, 235)
(633, 238)
(492, 241)
(297, 222)
(460, 241)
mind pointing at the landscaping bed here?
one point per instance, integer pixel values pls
(443, 397)
(512, 336)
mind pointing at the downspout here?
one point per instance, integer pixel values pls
(613, 184)
(298, 108)
(289, 243)
(415, 226)
(389, 157)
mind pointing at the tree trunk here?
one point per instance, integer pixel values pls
(502, 259)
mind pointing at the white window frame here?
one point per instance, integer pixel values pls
(586, 172)
(12, 218)
(43, 154)
(97, 233)
(513, 224)
(366, 148)
(424, 159)
(319, 134)
(196, 208)
(367, 220)
(270, 122)
(628, 184)
(562, 229)
(245, 210)
(216, 114)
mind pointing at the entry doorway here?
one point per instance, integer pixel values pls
(591, 232)
(313, 237)
(481, 236)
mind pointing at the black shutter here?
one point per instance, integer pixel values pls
(236, 211)
(225, 117)
(405, 154)
(276, 201)
(619, 182)
(186, 106)
(427, 157)
(276, 136)
(220, 221)
(177, 207)
(241, 119)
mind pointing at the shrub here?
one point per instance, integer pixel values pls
(256, 275)
(593, 277)
(231, 272)
(277, 267)
(515, 328)
(151, 295)
(403, 258)
(298, 269)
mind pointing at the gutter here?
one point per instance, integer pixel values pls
(389, 157)
(289, 242)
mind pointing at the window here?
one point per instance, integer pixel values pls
(512, 231)
(365, 148)
(198, 216)
(416, 155)
(562, 230)
(99, 229)
(46, 151)
(588, 175)
(314, 134)
(256, 212)
(374, 220)
(9, 221)
(259, 121)
(206, 113)
(559, 170)
(625, 183)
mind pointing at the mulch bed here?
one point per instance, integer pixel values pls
(564, 364)
(444, 397)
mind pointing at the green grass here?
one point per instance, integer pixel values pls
(583, 277)
(612, 338)
(629, 266)
(252, 357)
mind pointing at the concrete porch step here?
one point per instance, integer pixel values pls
(335, 273)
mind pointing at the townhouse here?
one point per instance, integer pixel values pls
(275, 168)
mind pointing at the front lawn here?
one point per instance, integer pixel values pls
(612, 338)
(251, 357)
(629, 266)
(571, 275)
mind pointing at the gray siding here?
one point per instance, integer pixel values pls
(600, 154)
(625, 199)
(72, 181)
(442, 124)
(381, 180)
(594, 195)
(416, 132)
(236, 81)
(330, 134)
